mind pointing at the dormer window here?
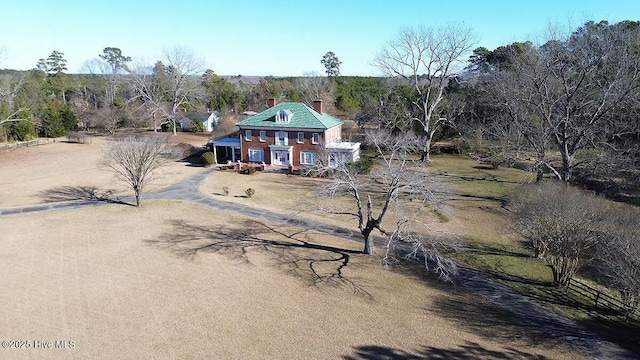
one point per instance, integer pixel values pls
(284, 116)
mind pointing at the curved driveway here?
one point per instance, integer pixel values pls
(557, 326)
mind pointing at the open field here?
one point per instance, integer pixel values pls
(177, 280)
(27, 174)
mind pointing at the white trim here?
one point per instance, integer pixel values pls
(298, 139)
(260, 137)
(248, 135)
(315, 138)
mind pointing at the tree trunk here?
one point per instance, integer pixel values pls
(567, 167)
(138, 194)
(368, 245)
(563, 269)
(425, 154)
(540, 160)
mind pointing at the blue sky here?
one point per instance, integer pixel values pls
(279, 38)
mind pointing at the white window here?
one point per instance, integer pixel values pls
(300, 138)
(256, 155)
(282, 138)
(307, 158)
(263, 136)
(284, 116)
(248, 136)
(315, 138)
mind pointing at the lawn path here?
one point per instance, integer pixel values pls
(557, 326)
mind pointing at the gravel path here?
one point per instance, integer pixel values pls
(557, 326)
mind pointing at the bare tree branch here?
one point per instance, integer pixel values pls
(426, 59)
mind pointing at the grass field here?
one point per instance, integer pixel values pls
(495, 249)
(177, 280)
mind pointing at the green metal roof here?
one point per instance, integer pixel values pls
(302, 117)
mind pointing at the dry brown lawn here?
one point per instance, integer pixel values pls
(298, 196)
(178, 280)
(27, 174)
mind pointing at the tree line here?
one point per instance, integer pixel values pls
(114, 92)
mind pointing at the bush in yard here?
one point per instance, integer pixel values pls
(20, 131)
(208, 159)
(562, 222)
(247, 169)
(617, 258)
(362, 166)
(249, 192)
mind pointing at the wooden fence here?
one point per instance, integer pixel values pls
(604, 300)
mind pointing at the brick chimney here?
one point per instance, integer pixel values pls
(317, 106)
(271, 102)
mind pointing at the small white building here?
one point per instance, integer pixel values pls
(209, 121)
(342, 152)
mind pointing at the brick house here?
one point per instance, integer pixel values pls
(293, 134)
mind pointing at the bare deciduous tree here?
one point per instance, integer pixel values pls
(510, 91)
(9, 88)
(107, 119)
(182, 68)
(149, 86)
(396, 185)
(569, 92)
(315, 87)
(426, 59)
(134, 160)
(167, 89)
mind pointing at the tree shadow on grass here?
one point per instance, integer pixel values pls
(479, 177)
(288, 247)
(490, 321)
(468, 351)
(495, 268)
(80, 193)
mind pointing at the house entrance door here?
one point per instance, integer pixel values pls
(280, 157)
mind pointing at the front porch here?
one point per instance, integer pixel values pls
(225, 150)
